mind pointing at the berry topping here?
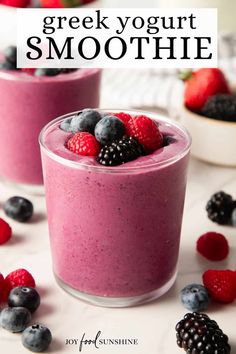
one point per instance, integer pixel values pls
(5, 231)
(125, 117)
(29, 71)
(198, 334)
(146, 131)
(219, 208)
(65, 124)
(6, 65)
(59, 3)
(36, 338)
(85, 121)
(18, 208)
(221, 284)
(234, 217)
(16, 3)
(201, 85)
(221, 107)
(83, 144)
(119, 152)
(168, 139)
(11, 54)
(47, 72)
(108, 129)
(15, 319)
(24, 296)
(19, 277)
(195, 297)
(213, 246)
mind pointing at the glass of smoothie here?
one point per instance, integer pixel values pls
(27, 103)
(115, 230)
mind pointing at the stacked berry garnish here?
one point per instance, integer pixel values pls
(196, 333)
(46, 3)
(18, 290)
(10, 63)
(221, 208)
(208, 93)
(113, 138)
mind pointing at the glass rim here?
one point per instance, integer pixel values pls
(121, 168)
(14, 75)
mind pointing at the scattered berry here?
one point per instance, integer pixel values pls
(221, 107)
(108, 129)
(16, 3)
(146, 131)
(195, 297)
(5, 232)
(2, 288)
(47, 72)
(18, 208)
(68, 70)
(24, 296)
(119, 152)
(15, 319)
(19, 277)
(36, 338)
(11, 54)
(213, 246)
(234, 217)
(85, 121)
(221, 284)
(84, 144)
(219, 208)
(201, 85)
(198, 334)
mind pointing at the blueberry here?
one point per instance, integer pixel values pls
(24, 296)
(85, 121)
(11, 54)
(7, 65)
(36, 338)
(65, 124)
(18, 208)
(168, 139)
(108, 129)
(195, 297)
(47, 72)
(68, 70)
(234, 217)
(15, 319)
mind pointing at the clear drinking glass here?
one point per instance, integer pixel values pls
(27, 104)
(115, 231)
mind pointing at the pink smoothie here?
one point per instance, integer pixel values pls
(27, 104)
(115, 231)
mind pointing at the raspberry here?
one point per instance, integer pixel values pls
(213, 246)
(19, 277)
(146, 131)
(221, 284)
(16, 3)
(2, 287)
(125, 117)
(29, 71)
(84, 144)
(5, 231)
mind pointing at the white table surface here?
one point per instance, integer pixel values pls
(152, 324)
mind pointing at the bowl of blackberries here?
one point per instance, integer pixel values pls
(209, 114)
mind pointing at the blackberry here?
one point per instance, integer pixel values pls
(120, 151)
(221, 107)
(219, 208)
(198, 334)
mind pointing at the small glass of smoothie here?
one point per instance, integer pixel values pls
(27, 103)
(115, 227)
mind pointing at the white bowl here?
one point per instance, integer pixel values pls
(213, 140)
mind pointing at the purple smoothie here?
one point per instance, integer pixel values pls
(27, 104)
(115, 231)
